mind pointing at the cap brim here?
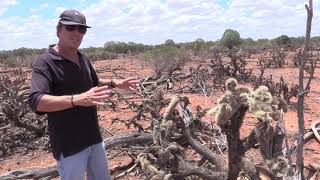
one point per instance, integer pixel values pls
(72, 23)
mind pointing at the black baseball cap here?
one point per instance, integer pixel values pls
(73, 17)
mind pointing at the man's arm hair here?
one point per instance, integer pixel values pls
(49, 103)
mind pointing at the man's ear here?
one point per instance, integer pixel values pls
(58, 30)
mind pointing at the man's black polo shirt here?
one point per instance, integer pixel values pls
(74, 129)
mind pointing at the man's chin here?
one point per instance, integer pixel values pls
(74, 46)
(75, 43)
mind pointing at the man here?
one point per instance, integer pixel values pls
(65, 86)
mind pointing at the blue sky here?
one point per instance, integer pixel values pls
(25, 23)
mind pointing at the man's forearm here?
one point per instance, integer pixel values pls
(50, 103)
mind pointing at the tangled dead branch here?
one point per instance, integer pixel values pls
(26, 130)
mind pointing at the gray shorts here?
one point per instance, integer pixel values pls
(91, 162)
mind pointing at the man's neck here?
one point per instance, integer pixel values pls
(66, 52)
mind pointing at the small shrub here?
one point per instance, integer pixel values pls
(10, 61)
(166, 59)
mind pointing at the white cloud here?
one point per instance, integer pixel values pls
(149, 17)
(40, 8)
(4, 4)
(59, 10)
(154, 21)
(44, 5)
(33, 32)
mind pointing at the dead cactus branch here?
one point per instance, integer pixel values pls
(273, 59)
(15, 113)
(229, 115)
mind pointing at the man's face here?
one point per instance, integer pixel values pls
(71, 35)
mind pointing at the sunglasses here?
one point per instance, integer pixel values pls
(81, 29)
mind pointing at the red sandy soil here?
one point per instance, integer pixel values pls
(134, 68)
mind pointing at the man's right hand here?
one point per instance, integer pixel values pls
(94, 96)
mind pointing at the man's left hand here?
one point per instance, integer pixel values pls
(129, 83)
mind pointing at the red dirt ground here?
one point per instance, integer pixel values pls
(290, 74)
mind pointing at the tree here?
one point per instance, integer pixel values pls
(282, 40)
(200, 47)
(169, 42)
(230, 38)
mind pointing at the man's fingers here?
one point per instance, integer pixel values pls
(98, 89)
(134, 82)
(99, 98)
(100, 93)
(131, 78)
(98, 103)
(94, 88)
(134, 85)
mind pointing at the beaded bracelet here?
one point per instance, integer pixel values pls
(72, 104)
(111, 84)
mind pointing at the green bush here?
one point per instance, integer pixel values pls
(10, 61)
(200, 47)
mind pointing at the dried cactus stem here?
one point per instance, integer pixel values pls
(232, 131)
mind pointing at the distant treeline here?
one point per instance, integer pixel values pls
(199, 47)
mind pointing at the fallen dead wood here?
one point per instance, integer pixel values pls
(315, 130)
(9, 71)
(127, 171)
(202, 150)
(133, 138)
(188, 169)
(309, 134)
(39, 173)
(109, 69)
